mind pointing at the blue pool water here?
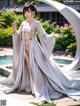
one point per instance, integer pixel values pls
(5, 60)
(60, 61)
(8, 60)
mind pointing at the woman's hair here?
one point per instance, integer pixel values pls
(31, 7)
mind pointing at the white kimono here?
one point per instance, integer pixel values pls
(45, 79)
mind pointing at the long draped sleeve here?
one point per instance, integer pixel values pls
(16, 49)
(47, 42)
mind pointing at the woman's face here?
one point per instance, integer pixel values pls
(28, 14)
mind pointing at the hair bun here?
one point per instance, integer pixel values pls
(29, 3)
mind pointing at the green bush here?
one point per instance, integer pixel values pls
(71, 49)
(47, 26)
(19, 19)
(6, 20)
(68, 42)
(8, 17)
(6, 37)
(1, 24)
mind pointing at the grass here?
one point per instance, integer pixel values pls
(48, 104)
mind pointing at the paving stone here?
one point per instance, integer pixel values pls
(26, 99)
(11, 101)
(67, 102)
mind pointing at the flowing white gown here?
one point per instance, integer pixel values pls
(46, 80)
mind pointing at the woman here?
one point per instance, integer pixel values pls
(33, 70)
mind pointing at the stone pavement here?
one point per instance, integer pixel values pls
(67, 102)
(24, 99)
(6, 51)
(30, 99)
(11, 101)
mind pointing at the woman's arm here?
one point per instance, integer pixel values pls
(47, 41)
(55, 35)
(14, 28)
(43, 33)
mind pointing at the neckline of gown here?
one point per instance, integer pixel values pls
(31, 22)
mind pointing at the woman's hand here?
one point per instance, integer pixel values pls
(53, 35)
(58, 35)
(14, 27)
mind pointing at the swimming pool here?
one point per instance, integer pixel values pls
(63, 61)
(5, 60)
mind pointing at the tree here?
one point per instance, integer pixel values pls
(34, 1)
(24, 1)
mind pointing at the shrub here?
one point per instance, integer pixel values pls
(47, 26)
(6, 37)
(19, 19)
(8, 17)
(67, 41)
(1, 24)
(71, 49)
